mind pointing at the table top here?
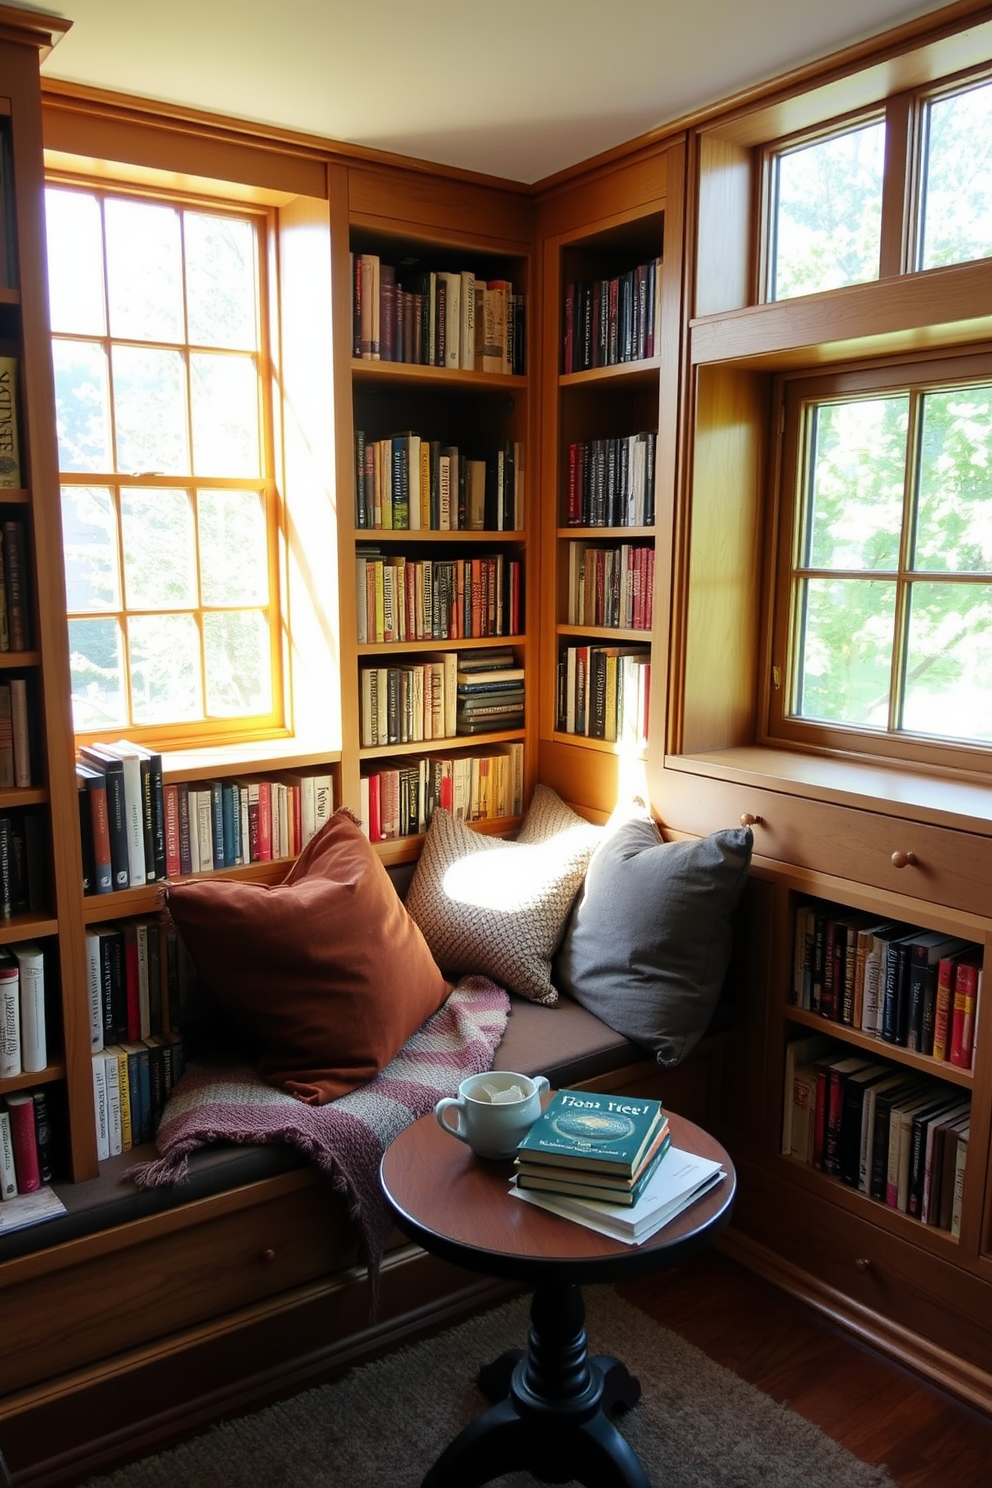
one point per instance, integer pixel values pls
(458, 1206)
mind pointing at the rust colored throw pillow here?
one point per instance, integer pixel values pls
(326, 971)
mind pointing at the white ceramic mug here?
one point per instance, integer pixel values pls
(492, 1124)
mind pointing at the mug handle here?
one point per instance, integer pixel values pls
(541, 1083)
(454, 1103)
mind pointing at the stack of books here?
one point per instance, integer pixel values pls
(490, 691)
(594, 1146)
(607, 1162)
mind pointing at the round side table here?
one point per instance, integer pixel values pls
(551, 1399)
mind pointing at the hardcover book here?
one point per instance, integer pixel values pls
(588, 1129)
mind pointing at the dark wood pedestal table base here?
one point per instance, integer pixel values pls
(551, 1400)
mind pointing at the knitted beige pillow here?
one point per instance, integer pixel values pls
(499, 908)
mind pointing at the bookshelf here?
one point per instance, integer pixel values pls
(611, 254)
(41, 813)
(436, 527)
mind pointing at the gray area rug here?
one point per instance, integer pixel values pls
(383, 1424)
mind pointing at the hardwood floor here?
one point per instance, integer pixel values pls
(875, 1408)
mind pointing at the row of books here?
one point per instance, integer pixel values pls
(131, 1084)
(611, 482)
(15, 735)
(918, 989)
(896, 1135)
(436, 319)
(23, 1025)
(451, 693)
(22, 863)
(138, 976)
(400, 797)
(604, 692)
(611, 584)
(137, 830)
(25, 1143)
(614, 320)
(437, 599)
(15, 605)
(607, 1161)
(408, 483)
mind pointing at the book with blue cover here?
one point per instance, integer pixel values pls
(593, 1130)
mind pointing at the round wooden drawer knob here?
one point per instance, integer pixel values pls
(903, 859)
(268, 1257)
(862, 1264)
(747, 820)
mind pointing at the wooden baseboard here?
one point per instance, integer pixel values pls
(913, 1352)
(95, 1420)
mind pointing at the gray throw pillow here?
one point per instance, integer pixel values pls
(648, 942)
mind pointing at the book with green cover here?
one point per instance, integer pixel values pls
(591, 1129)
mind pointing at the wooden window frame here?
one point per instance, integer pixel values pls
(209, 731)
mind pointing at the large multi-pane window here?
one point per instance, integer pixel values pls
(887, 628)
(882, 631)
(167, 498)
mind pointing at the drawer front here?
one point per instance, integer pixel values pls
(885, 1273)
(96, 1308)
(938, 864)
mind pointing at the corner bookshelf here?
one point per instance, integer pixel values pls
(462, 436)
(612, 254)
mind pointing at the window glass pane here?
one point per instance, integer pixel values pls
(220, 282)
(233, 550)
(844, 654)
(827, 214)
(857, 474)
(954, 519)
(236, 648)
(75, 263)
(159, 551)
(89, 537)
(82, 406)
(948, 686)
(225, 414)
(957, 179)
(150, 411)
(165, 668)
(96, 660)
(144, 271)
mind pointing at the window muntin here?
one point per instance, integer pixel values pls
(169, 518)
(956, 178)
(886, 619)
(825, 211)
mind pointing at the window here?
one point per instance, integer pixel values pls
(168, 502)
(956, 210)
(825, 211)
(883, 640)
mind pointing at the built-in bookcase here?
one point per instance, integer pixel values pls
(39, 847)
(437, 532)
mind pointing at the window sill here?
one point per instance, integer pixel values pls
(252, 758)
(945, 801)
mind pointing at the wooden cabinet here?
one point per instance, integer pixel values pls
(889, 841)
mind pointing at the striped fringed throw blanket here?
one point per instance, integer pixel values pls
(347, 1137)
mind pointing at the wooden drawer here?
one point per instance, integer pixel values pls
(948, 867)
(873, 1268)
(92, 1307)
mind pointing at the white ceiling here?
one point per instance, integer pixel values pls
(514, 88)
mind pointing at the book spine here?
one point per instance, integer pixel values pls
(10, 1018)
(34, 1043)
(25, 1142)
(8, 1172)
(10, 445)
